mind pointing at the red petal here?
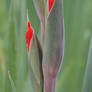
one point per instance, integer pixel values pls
(29, 35)
(51, 2)
(28, 25)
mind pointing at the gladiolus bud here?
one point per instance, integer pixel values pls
(35, 62)
(34, 58)
(29, 35)
(50, 3)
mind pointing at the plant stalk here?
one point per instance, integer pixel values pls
(43, 32)
(50, 84)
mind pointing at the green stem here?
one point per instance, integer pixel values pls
(43, 32)
(50, 84)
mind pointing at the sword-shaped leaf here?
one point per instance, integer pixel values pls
(87, 87)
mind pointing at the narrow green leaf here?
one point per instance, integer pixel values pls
(2, 75)
(87, 86)
(28, 85)
(77, 36)
(8, 2)
(11, 56)
(20, 20)
(12, 83)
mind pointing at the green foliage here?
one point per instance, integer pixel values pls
(11, 61)
(88, 74)
(77, 35)
(78, 30)
(11, 82)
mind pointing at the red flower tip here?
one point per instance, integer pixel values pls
(28, 25)
(51, 2)
(29, 35)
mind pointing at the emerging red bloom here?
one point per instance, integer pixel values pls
(51, 2)
(29, 35)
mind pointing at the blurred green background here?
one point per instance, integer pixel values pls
(13, 57)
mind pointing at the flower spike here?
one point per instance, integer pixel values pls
(29, 35)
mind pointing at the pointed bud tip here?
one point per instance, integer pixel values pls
(50, 3)
(28, 25)
(29, 35)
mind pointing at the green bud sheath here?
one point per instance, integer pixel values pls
(36, 87)
(54, 41)
(40, 8)
(35, 62)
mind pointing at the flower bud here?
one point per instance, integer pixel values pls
(35, 63)
(34, 59)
